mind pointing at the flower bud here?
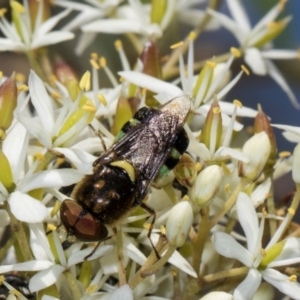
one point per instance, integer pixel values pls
(262, 123)
(151, 60)
(212, 130)
(218, 296)
(64, 72)
(272, 31)
(179, 223)
(123, 114)
(296, 164)
(158, 9)
(185, 171)
(258, 149)
(152, 66)
(207, 185)
(6, 176)
(8, 102)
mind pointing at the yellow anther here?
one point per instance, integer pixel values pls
(89, 108)
(92, 289)
(198, 167)
(94, 56)
(282, 4)
(293, 278)
(118, 45)
(238, 103)
(163, 229)
(185, 198)
(272, 25)
(2, 11)
(264, 212)
(102, 61)
(56, 95)
(94, 64)
(102, 99)
(122, 79)
(284, 154)
(192, 35)
(144, 91)
(51, 227)
(147, 226)
(55, 210)
(1, 74)
(53, 79)
(216, 110)
(211, 64)
(20, 77)
(227, 188)
(177, 45)
(16, 293)
(291, 211)
(23, 88)
(236, 52)
(39, 155)
(247, 72)
(17, 7)
(263, 252)
(2, 278)
(85, 81)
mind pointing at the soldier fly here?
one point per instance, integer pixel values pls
(146, 149)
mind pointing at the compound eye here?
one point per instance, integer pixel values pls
(81, 223)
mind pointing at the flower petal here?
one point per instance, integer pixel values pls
(50, 178)
(33, 265)
(26, 208)
(41, 101)
(49, 24)
(79, 256)
(280, 54)
(45, 278)
(248, 219)
(227, 246)
(217, 296)
(282, 282)
(150, 83)
(229, 24)
(181, 263)
(254, 59)
(82, 160)
(261, 192)
(35, 129)
(122, 293)
(53, 37)
(114, 26)
(239, 14)
(15, 146)
(248, 287)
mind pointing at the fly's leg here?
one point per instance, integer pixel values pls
(152, 212)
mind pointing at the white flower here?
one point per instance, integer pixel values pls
(251, 257)
(24, 207)
(21, 36)
(49, 126)
(258, 56)
(135, 17)
(44, 262)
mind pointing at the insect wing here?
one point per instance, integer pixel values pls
(147, 145)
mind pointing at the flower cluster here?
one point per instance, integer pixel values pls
(140, 190)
